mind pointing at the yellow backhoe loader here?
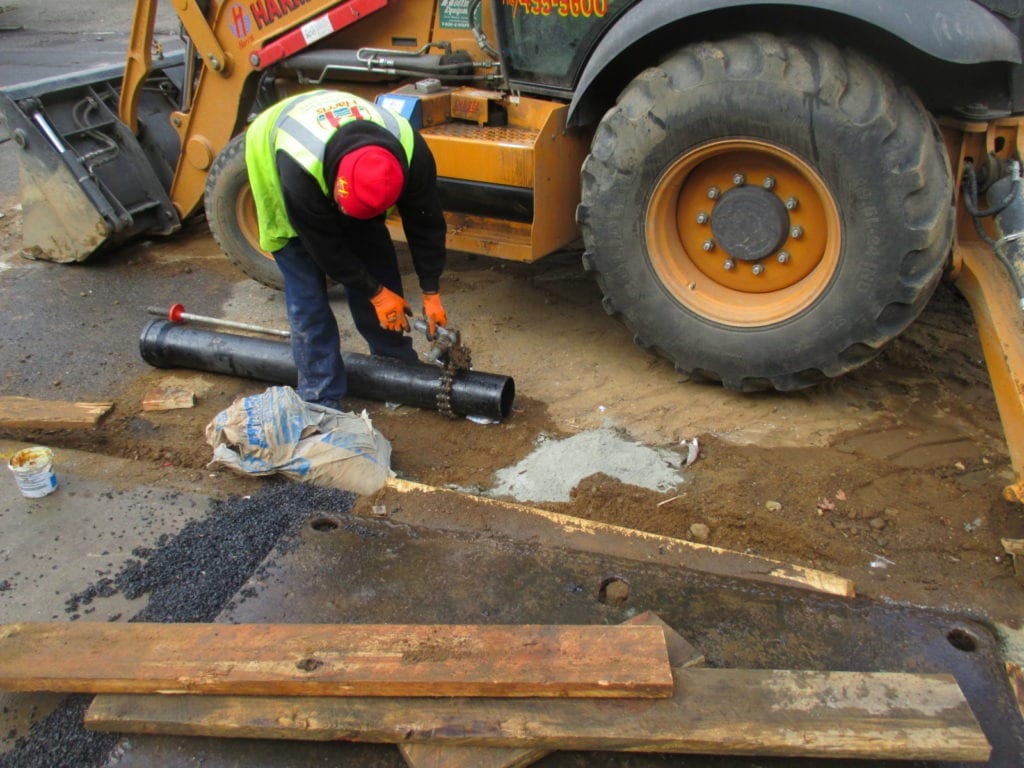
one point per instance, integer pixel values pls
(767, 192)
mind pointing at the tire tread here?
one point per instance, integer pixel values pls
(857, 88)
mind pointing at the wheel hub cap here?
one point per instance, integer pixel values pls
(743, 232)
(750, 223)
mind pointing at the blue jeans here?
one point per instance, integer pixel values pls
(316, 344)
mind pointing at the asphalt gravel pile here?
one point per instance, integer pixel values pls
(190, 577)
(61, 741)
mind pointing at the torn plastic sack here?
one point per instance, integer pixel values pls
(278, 433)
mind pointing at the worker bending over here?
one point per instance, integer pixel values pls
(325, 168)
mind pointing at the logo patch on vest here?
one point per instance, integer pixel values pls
(333, 116)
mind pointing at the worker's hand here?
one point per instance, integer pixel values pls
(391, 310)
(434, 312)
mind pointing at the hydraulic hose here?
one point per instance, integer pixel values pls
(164, 344)
(451, 67)
(478, 33)
(1008, 213)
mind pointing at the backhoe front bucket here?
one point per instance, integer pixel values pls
(87, 182)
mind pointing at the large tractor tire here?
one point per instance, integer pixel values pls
(231, 213)
(766, 213)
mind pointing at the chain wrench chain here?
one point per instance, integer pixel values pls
(459, 359)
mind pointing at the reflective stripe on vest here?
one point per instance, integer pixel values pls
(303, 129)
(301, 126)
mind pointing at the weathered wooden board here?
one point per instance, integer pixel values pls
(168, 398)
(336, 660)
(884, 716)
(28, 413)
(681, 653)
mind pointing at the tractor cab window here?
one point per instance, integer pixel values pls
(545, 42)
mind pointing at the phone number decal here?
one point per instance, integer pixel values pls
(575, 8)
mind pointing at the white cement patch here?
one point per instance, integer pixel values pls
(557, 466)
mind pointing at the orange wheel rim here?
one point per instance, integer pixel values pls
(248, 224)
(716, 267)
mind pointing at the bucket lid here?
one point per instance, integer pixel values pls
(31, 459)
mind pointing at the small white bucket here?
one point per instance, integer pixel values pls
(33, 469)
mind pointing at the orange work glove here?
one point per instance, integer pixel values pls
(433, 310)
(391, 310)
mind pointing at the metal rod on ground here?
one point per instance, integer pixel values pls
(177, 314)
(164, 344)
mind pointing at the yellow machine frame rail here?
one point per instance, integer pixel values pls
(983, 280)
(225, 51)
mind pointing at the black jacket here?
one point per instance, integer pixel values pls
(340, 244)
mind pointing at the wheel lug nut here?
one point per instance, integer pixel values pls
(797, 232)
(739, 179)
(791, 203)
(728, 265)
(757, 269)
(713, 193)
(769, 182)
(783, 257)
(702, 217)
(709, 245)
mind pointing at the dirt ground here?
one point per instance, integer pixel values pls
(890, 476)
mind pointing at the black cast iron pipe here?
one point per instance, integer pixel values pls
(164, 344)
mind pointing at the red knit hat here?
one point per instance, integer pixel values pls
(369, 181)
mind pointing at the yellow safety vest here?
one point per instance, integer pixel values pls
(301, 126)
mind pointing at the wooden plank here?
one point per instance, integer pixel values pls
(28, 413)
(335, 660)
(444, 509)
(785, 713)
(681, 654)
(168, 398)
